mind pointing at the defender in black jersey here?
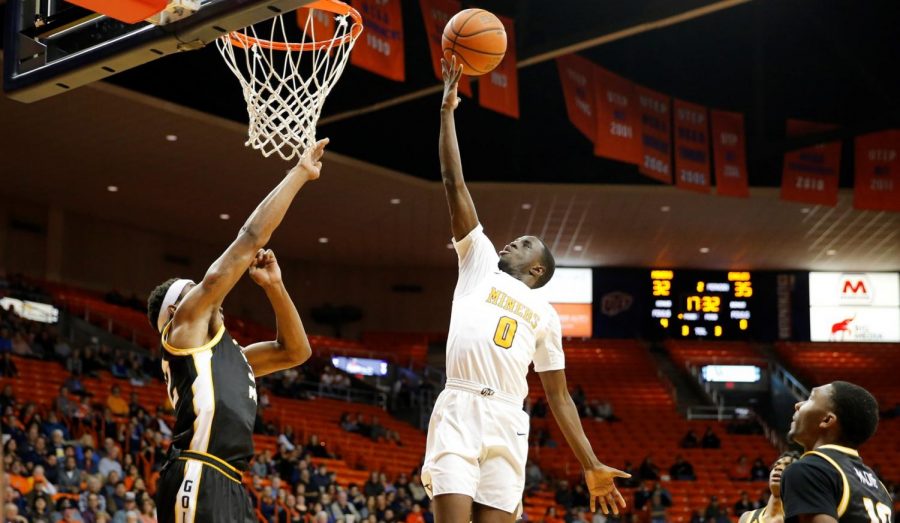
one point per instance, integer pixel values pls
(773, 512)
(830, 483)
(210, 379)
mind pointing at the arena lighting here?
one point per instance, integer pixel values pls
(224, 216)
(830, 252)
(395, 201)
(526, 206)
(704, 250)
(578, 248)
(323, 240)
(665, 208)
(112, 188)
(171, 138)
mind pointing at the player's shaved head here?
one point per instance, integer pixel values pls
(856, 410)
(549, 264)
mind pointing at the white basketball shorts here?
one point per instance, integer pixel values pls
(477, 445)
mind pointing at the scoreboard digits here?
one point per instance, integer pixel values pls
(702, 304)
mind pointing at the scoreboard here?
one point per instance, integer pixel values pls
(701, 304)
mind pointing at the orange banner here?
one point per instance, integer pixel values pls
(656, 134)
(577, 77)
(729, 153)
(499, 89)
(575, 318)
(811, 174)
(617, 118)
(877, 183)
(436, 14)
(380, 49)
(322, 24)
(691, 147)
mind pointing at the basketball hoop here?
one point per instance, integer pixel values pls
(285, 93)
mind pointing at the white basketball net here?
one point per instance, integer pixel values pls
(283, 101)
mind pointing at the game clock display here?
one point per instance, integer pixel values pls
(701, 304)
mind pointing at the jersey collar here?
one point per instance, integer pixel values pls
(845, 450)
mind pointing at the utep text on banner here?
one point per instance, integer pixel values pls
(577, 77)
(811, 174)
(691, 147)
(499, 89)
(617, 118)
(380, 50)
(729, 153)
(436, 14)
(656, 134)
(877, 172)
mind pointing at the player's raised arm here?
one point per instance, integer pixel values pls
(204, 300)
(463, 217)
(598, 476)
(290, 346)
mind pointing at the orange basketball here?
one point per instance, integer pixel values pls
(478, 40)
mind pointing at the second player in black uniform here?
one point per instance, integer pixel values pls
(830, 483)
(210, 379)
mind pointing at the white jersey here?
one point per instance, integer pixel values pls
(498, 325)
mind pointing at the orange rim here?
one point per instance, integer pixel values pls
(243, 41)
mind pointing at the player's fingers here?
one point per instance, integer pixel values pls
(619, 474)
(603, 507)
(620, 500)
(593, 504)
(610, 502)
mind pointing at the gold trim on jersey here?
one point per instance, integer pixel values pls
(187, 352)
(214, 467)
(845, 450)
(845, 496)
(218, 460)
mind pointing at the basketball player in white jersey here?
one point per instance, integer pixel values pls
(478, 434)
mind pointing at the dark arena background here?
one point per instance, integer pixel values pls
(719, 182)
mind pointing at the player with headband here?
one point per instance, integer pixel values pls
(210, 379)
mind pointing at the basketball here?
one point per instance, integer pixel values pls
(478, 40)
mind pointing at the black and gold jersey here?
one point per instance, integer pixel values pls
(213, 391)
(833, 480)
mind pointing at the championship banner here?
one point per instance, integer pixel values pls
(811, 174)
(436, 14)
(499, 89)
(322, 25)
(729, 153)
(577, 77)
(617, 118)
(380, 50)
(691, 147)
(656, 134)
(877, 172)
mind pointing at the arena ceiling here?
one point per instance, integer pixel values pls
(66, 151)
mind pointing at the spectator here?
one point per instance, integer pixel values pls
(657, 509)
(130, 506)
(315, 448)
(347, 423)
(7, 398)
(373, 487)
(681, 470)
(321, 479)
(148, 511)
(11, 512)
(93, 508)
(533, 476)
(116, 402)
(8, 366)
(741, 469)
(93, 487)
(689, 441)
(110, 462)
(5, 341)
(415, 515)
(343, 510)
(763, 499)
(564, 495)
(377, 430)
(69, 479)
(745, 504)
(40, 509)
(648, 470)
(710, 440)
(714, 512)
(759, 471)
(20, 346)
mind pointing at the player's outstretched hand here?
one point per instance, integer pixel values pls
(264, 269)
(311, 162)
(603, 489)
(451, 72)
